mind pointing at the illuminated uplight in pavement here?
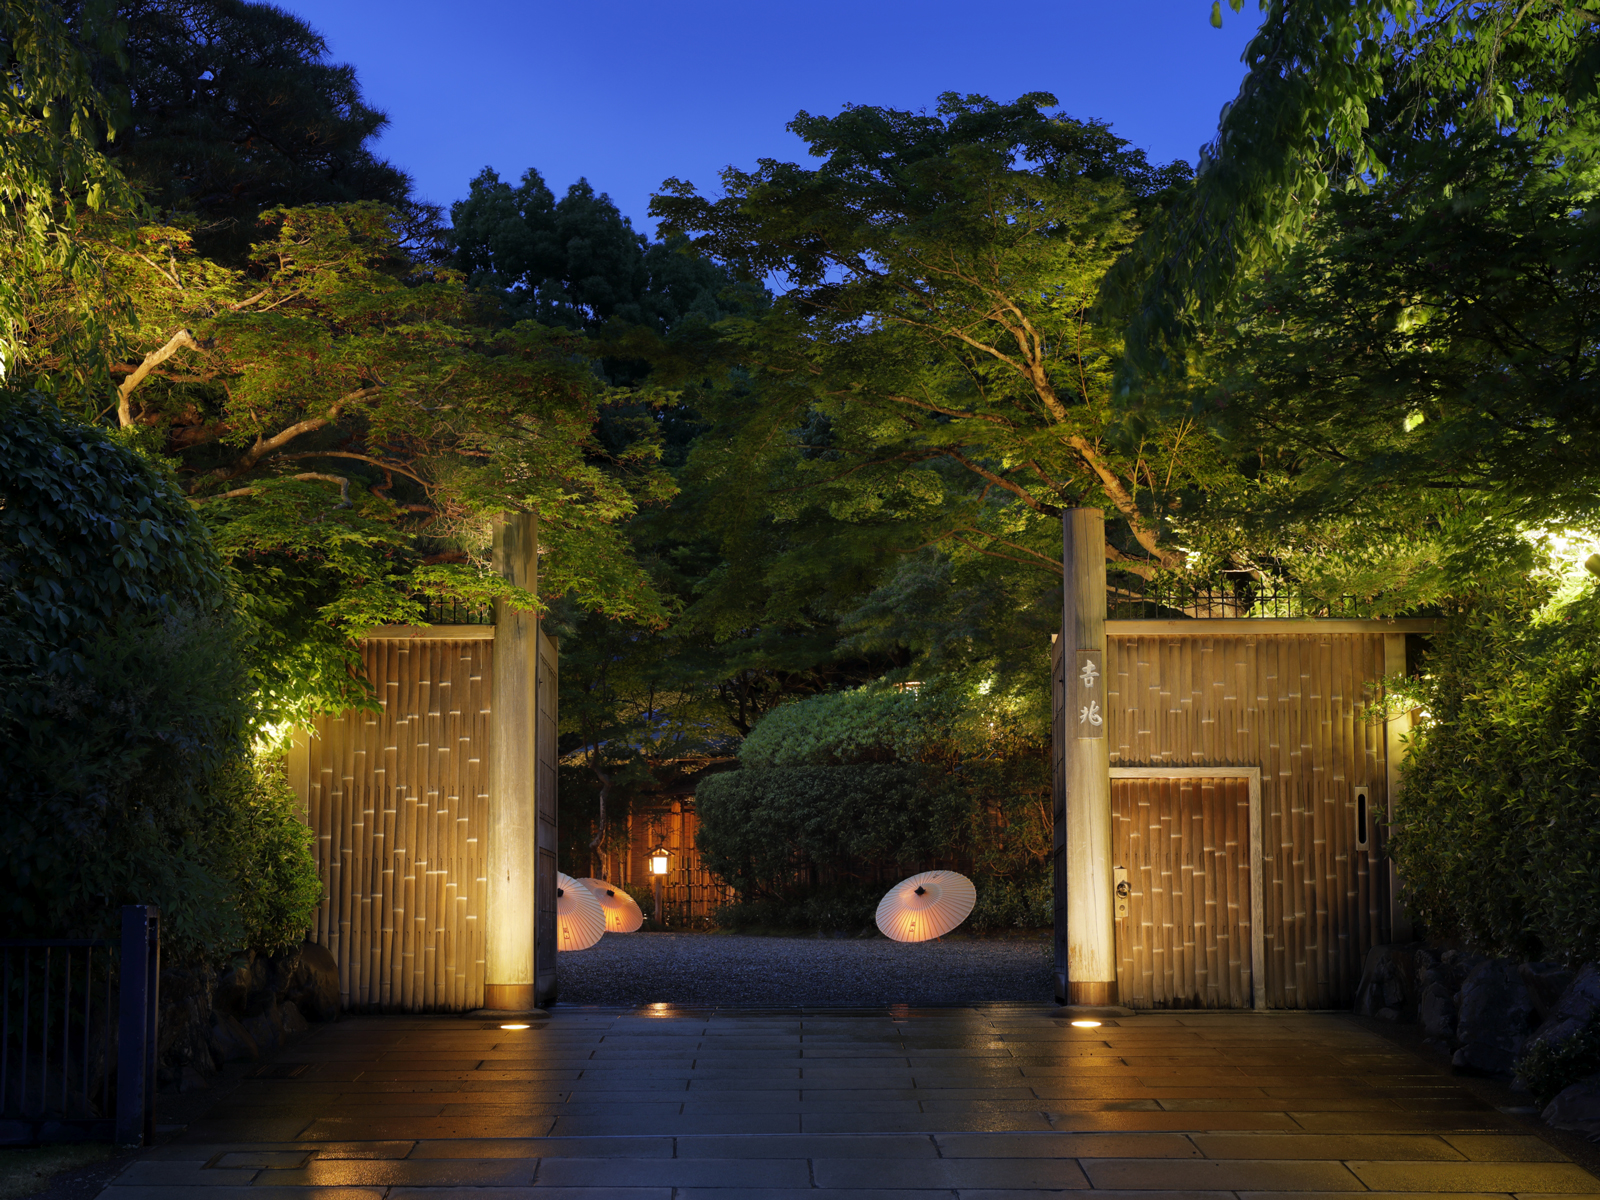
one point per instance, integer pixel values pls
(513, 1027)
(1086, 1024)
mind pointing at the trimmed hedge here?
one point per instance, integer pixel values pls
(844, 793)
(758, 826)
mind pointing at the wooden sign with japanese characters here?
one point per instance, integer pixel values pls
(1088, 690)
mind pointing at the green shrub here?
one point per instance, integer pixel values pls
(882, 724)
(842, 794)
(841, 907)
(125, 708)
(872, 724)
(758, 828)
(108, 777)
(1547, 1070)
(1027, 902)
(1500, 805)
(271, 866)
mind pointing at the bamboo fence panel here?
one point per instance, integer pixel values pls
(399, 806)
(1290, 704)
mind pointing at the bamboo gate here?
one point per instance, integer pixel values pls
(1219, 833)
(434, 818)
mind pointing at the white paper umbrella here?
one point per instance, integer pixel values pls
(580, 921)
(622, 913)
(926, 906)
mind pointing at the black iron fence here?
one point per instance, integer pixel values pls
(455, 612)
(78, 1031)
(1227, 594)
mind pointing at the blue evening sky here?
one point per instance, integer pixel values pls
(628, 93)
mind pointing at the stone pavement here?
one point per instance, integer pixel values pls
(1001, 1102)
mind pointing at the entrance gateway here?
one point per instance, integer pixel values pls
(1220, 800)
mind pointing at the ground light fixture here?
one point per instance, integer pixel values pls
(514, 1025)
(1086, 1024)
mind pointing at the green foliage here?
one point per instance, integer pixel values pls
(125, 708)
(235, 110)
(89, 533)
(272, 871)
(861, 725)
(926, 723)
(847, 907)
(1027, 902)
(52, 122)
(1336, 94)
(1547, 1071)
(846, 792)
(1498, 832)
(936, 373)
(757, 827)
(349, 424)
(1422, 361)
(576, 262)
(108, 779)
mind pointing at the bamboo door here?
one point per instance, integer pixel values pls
(1184, 941)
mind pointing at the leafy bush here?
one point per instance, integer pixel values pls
(1027, 902)
(271, 865)
(862, 725)
(107, 780)
(1548, 1070)
(1498, 832)
(848, 907)
(125, 707)
(844, 793)
(883, 724)
(758, 827)
(89, 535)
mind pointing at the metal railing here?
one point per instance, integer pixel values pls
(454, 612)
(1235, 594)
(78, 1030)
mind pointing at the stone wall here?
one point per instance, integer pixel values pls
(244, 1013)
(1485, 1012)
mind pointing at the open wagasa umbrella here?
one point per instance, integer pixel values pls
(926, 906)
(580, 921)
(622, 912)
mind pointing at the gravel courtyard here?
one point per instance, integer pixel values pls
(732, 969)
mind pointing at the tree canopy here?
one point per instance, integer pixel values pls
(234, 109)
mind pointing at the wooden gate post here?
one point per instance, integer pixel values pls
(509, 916)
(1086, 762)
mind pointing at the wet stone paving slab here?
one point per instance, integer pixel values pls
(1002, 1102)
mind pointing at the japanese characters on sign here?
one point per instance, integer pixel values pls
(1088, 708)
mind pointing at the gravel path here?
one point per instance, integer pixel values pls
(732, 969)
